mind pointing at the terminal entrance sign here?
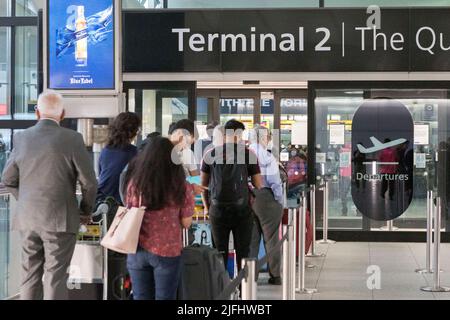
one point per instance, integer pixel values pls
(281, 40)
(382, 149)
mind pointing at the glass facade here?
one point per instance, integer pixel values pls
(28, 7)
(335, 111)
(18, 63)
(5, 101)
(26, 85)
(160, 108)
(385, 3)
(237, 108)
(5, 8)
(142, 4)
(222, 4)
(241, 4)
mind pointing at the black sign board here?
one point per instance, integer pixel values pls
(382, 141)
(280, 40)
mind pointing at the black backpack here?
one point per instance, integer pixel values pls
(229, 182)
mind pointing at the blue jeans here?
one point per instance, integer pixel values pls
(154, 277)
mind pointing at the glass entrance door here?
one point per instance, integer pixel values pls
(292, 121)
(242, 105)
(338, 156)
(160, 104)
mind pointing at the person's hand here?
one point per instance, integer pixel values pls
(199, 189)
(205, 211)
(84, 220)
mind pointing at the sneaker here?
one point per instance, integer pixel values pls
(275, 281)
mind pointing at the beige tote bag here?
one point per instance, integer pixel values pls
(123, 234)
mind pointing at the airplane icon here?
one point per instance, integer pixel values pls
(377, 145)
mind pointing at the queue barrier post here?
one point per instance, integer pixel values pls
(436, 287)
(312, 194)
(325, 239)
(302, 254)
(249, 284)
(287, 280)
(428, 268)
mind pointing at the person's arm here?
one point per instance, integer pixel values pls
(86, 175)
(257, 181)
(189, 162)
(205, 193)
(194, 173)
(100, 160)
(273, 179)
(122, 187)
(186, 222)
(188, 207)
(10, 175)
(254, 171)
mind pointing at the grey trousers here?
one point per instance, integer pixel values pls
(46, 254)
(268, 214)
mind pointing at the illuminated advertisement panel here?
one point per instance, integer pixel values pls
(81, 44)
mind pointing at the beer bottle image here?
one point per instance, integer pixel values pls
(81, 54)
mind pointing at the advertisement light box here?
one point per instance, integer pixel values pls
(81, 44)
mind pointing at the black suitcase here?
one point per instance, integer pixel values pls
(119, 287)
(203, 275)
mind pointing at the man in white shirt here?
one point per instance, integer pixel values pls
(182, 135)
(267, 206)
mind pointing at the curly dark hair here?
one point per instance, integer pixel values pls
(124, 128)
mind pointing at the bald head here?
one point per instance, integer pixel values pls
(50, 105)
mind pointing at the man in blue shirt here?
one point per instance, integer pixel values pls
(268, 202)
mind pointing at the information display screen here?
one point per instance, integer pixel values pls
(81, 44)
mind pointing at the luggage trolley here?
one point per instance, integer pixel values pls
(89, 265)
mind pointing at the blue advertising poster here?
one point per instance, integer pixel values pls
(81, 44)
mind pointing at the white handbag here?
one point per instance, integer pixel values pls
(123, 234)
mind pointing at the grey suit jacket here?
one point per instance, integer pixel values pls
(42, 172)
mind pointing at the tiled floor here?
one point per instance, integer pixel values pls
(347, 272)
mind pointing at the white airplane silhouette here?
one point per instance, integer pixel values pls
(377, 145)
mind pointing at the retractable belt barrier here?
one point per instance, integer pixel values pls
(244, 273)
(247, 275)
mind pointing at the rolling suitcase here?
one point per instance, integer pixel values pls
(203, 275)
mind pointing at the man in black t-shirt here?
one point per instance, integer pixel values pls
(226, 171)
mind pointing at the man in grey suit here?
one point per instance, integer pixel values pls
(42, 173)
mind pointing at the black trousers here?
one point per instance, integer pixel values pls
(237, 220)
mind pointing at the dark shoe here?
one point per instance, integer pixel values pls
(275, 281)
